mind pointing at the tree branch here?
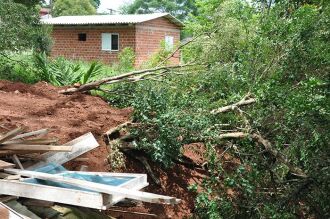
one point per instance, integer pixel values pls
(245, 101)
(119, 78)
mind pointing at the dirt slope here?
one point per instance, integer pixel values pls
(40, 106)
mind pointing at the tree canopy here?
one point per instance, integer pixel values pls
(179, 8)
(74, 7)
(18, 30)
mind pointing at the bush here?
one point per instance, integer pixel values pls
(18, 68)
(281, 56)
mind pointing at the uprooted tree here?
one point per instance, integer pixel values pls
(261, 99)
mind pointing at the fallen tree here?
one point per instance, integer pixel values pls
(247, 100)
(130, 77)
(267, 147)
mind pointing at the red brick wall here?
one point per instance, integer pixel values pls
(144, 38)
(66, 44)
(150, 34)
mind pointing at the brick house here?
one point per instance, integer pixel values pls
(102, 37)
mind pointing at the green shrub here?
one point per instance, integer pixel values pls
(18, 68)
(281, 56)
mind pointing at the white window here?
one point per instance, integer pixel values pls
(110, 41)
(169, 42)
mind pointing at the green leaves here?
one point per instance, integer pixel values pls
(74, 7)
(61, 72)
(19, 31)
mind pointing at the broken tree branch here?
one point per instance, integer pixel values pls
(122, 77)
(234, 135)
(269, 148)
(245, 101)
(267, 145)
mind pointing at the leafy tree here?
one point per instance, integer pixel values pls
(179, 8)
(278, 53)
(20, 31)
(73, 7)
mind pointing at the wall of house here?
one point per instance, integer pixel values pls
(66, 43)
(144, 38)
(149, 35)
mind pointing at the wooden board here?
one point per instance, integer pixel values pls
(72, 196)
(107, 189)
(24, 147)
(11, 134)
(4, 165)
(52, 194)
(79, 145)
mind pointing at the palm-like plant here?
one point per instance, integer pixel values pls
(61, 72)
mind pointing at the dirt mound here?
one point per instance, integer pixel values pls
(40, 106)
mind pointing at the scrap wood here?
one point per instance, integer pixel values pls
(96, 84)
(4, 165)
(25, 147)
(107, 189)
(6, 153)
(17, 162)
(79, 146)
(144, 215)
(40, 141)
(245, 101)
(34, 133)
(11, 134)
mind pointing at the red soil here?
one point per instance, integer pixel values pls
(40, 106)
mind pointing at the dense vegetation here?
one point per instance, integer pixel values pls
(178, 8)
(277, 53)
(280, 55)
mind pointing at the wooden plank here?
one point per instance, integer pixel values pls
(4, 165)
(11, 134)
(103, 201)
(4, 153)
(17, 162)
(107, 189)
(40, 141)
(24, 147)
(138, 182)
(79, 145)
(34, 133)
(52, 194)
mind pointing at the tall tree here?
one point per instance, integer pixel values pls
(73, 7)
(19, 31)
(179, 8)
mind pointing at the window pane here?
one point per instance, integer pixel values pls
(106, 41)
(169, 42)
(82, 37)
(115, 42)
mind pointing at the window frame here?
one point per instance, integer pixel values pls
(169, 47)
(81, 38)
(110, 50)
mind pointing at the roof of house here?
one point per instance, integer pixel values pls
(109, 19)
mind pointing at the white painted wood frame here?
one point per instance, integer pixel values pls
(72, 196)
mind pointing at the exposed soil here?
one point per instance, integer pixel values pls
(40, 106)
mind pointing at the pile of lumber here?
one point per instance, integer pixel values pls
(17, 144)
(31, 153)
